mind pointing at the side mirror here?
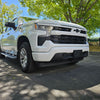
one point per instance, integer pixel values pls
(10, 24)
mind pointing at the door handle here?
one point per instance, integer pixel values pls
(8, 33)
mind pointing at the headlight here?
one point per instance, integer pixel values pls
(40, 27)
(43, 27)
(48, 29)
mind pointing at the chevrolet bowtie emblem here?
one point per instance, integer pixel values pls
(77, 30)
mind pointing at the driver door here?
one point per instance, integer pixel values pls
(9, 39)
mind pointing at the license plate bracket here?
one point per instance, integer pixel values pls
(77, 53)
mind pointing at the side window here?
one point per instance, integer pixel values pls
(7, 29)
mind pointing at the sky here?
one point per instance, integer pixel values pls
(16, 2)
(25, 13)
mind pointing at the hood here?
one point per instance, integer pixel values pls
(59, 23)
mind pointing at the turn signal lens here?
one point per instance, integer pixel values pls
(35, 26)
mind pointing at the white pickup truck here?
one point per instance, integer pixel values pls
(43, 42)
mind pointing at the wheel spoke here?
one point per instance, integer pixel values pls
(23, 57)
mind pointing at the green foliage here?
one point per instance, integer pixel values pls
(7, 13)
(94, 48)
(83, 12)
(26, 19)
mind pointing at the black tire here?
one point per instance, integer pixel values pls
(30, 65)
(1, 56)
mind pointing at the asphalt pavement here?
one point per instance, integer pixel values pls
(64, 82)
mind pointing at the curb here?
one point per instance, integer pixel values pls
(94, 53)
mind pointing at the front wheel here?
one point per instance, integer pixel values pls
(25, 58)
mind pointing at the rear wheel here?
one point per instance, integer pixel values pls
(25, 58)
(1, 56)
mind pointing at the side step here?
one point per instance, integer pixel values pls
(9, 56)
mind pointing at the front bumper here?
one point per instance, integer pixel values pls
(48, 56)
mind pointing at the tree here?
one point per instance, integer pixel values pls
(7, 13)
(83, 12)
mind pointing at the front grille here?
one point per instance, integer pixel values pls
(62, 29)
(62, 39)
(83, 32)
(69, 29)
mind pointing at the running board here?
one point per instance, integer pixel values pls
(9, 56)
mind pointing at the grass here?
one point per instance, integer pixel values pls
(94, 48)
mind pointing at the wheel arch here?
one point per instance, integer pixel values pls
(22, 39)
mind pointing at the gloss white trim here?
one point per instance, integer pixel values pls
(47, 56)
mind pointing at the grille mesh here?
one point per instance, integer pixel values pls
(62, 39)
(65, 39)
